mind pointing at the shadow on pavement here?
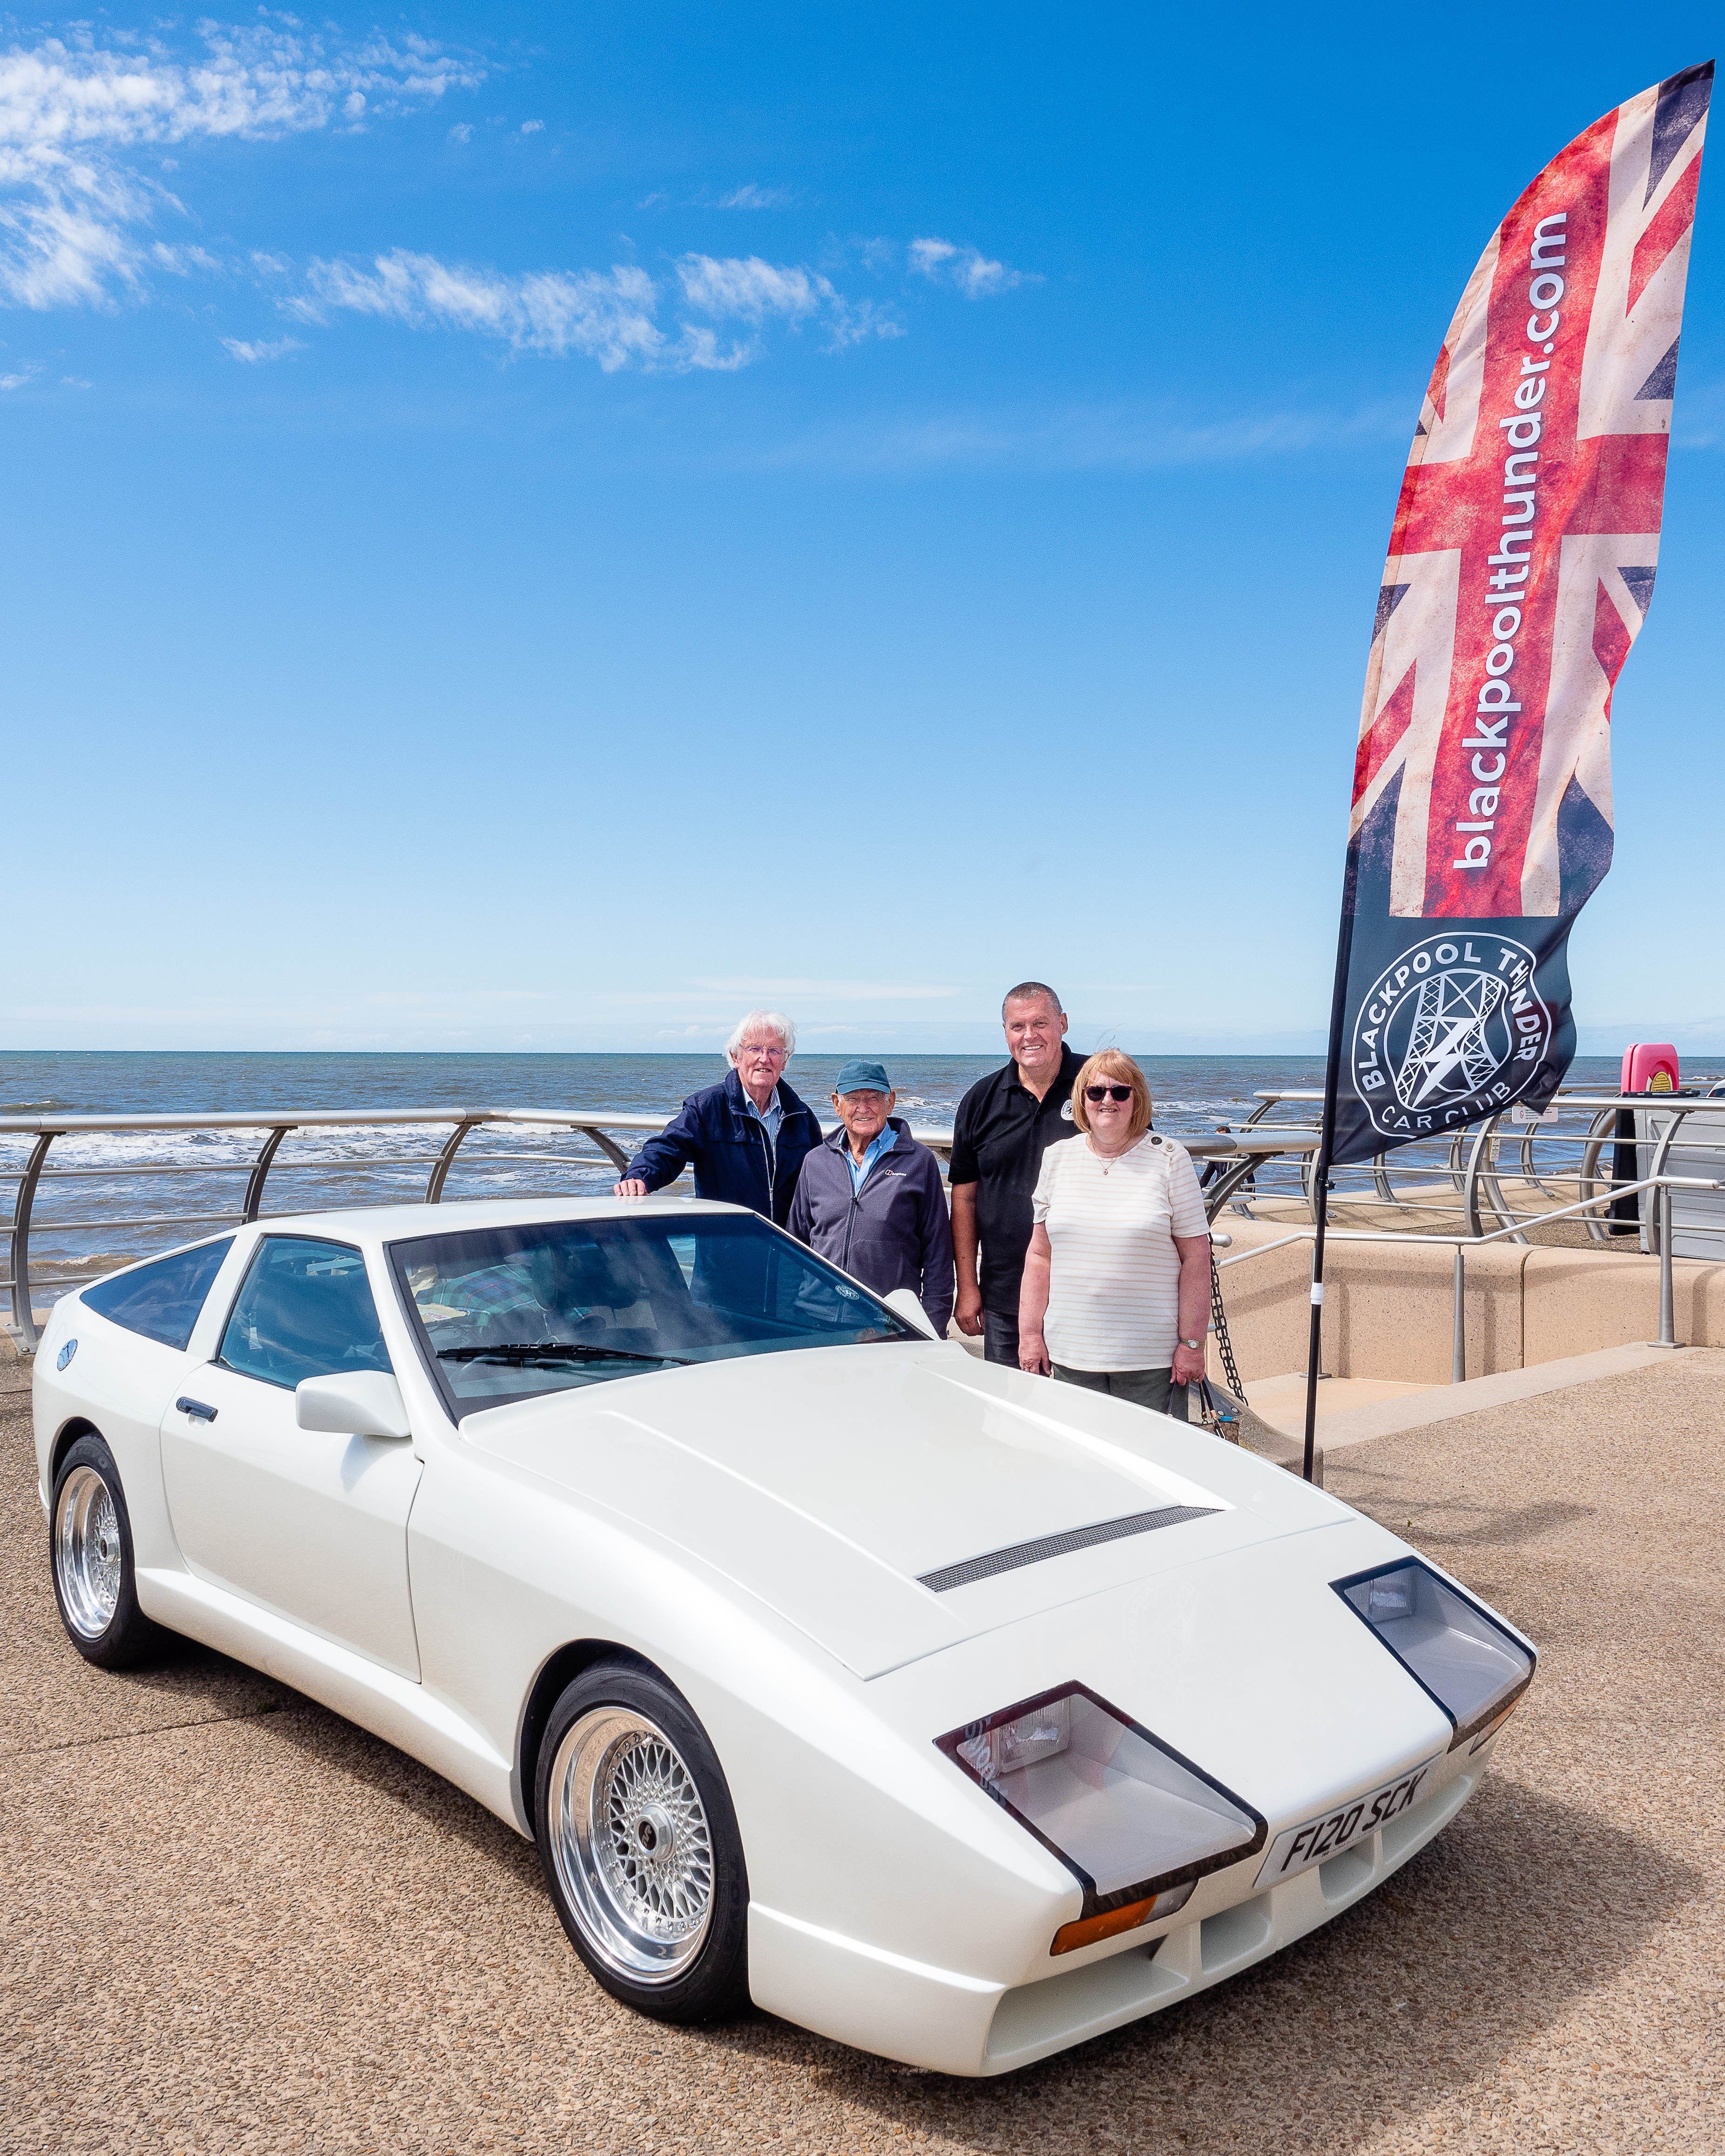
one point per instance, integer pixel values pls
(1416, 1992)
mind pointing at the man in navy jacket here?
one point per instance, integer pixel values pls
(747, 1137)
(870, 1199)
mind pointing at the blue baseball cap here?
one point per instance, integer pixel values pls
(860, 1076)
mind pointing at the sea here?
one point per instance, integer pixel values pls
(136, 1192)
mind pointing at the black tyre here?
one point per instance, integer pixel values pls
(640, 1845)
(90, 1556)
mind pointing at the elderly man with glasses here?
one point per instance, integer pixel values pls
(747, 1137)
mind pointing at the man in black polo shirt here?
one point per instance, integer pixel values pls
(1005, 1123)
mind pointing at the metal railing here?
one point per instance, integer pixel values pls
(1475, 1162)
(35, 1176)
(1664, 1185)
(275, 1126)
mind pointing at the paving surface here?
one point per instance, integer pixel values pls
(234, 1922)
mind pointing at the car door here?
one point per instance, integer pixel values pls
(310, 1526)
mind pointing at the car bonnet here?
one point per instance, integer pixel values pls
(891, 1500)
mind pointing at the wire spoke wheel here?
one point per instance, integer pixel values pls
(87, 1552)
(632, 1845)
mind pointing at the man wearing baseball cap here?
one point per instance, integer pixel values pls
(870, 1199)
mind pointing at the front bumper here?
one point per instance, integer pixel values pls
(953, 2023)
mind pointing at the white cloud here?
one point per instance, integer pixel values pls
(255, 354)
(752, 291)
(182, 261)
(462, 131)
(751, 196)
(533, 127)
(608, 316)
(835, 991)
(966, 267)
(612, 317)
(18, 380)
(75, 382)
(69, 112)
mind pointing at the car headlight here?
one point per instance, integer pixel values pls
(1474, 1668)
(1134, 1822)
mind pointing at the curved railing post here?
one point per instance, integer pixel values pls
(23, 1317)
(1226, 1184)
(1380, 1177)
(260, 1169)
(1661, 1214)
(446, 1159)
(1597, 1131)
(612, 1152)
(1470, 1184)
(1493, 1187)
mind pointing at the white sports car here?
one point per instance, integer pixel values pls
(954, 1713)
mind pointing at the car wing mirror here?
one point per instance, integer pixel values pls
(905, 1306)
(352, 1403)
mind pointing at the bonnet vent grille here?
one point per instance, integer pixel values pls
(1023, 1553)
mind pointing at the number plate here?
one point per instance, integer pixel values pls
(1333, 1832)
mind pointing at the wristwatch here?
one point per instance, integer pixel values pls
(1192, 1343)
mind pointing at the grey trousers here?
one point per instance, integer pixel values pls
(1000, 1336)
(1145, 1389)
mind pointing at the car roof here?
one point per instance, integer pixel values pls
(386, 1223)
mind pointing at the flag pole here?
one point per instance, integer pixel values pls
(1320, 1171)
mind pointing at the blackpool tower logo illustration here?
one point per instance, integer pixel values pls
(1452, 1028)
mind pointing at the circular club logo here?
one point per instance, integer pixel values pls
(1451, 1030)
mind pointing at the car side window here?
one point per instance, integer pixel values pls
(161, 1301)
(304, 1310)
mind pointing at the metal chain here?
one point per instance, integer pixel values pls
(1219, 1325)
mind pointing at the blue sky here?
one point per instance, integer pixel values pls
(540, 527)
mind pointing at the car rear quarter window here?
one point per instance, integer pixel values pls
(304, 1310)
(161, 1301)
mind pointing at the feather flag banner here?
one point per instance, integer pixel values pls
(1521, 566)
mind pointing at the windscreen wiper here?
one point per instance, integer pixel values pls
(552, 1351)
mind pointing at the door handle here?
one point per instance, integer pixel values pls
(195, 1410)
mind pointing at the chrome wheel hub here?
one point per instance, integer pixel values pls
(86, 1552)
(630, 1841)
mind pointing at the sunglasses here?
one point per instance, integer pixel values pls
(1093, 1093)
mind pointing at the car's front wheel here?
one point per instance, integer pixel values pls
(640, 1846)
(90, 1548)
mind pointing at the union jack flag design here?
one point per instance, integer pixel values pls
(1521, 566)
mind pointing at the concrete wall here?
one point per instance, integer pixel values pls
(1389, 1306)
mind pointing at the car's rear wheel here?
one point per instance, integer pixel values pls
(90, 1548)
(640, 1847)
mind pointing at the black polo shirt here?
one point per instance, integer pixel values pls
(999, 1136)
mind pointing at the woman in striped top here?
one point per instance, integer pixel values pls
(1117, 1286)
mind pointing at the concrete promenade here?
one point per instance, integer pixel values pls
(232, 1921)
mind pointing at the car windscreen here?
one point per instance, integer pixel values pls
(507, 1313)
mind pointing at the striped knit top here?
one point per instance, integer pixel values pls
(1114, 1300)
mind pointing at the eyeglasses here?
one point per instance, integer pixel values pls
(1093, 1093)
(769, 1049)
